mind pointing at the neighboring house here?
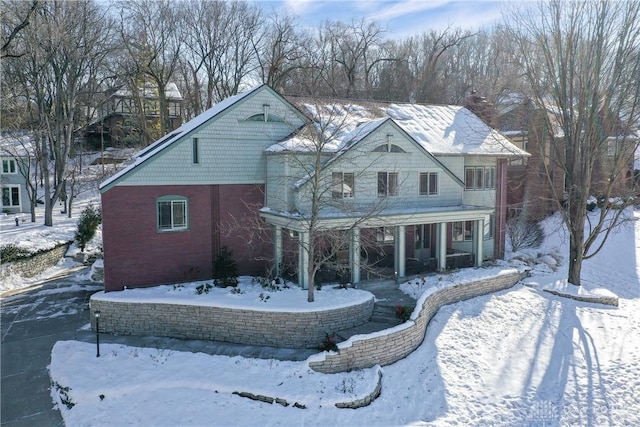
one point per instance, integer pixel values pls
(526, 126)
(15, 159)
(118, 115)
(427, 181)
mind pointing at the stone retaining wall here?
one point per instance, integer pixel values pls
(384, 348)
(303, 329)
(36, 264)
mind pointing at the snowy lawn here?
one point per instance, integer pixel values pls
(516, 357)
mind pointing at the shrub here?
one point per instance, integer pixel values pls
(200, 289)
(404, 312)
(225, 269)
(524, 234)
(11, 252)
(329, 343)
(88, 223)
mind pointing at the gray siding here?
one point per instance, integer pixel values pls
(230, 148)
(365, 164)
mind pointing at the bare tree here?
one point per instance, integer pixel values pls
(15, 17)
(582, 63)
(63, 43)
(282, 50)
(149, 32)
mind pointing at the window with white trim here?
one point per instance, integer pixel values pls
(462, 231)
(11, 196)
(343, 185)
(385, 235)
(429, 184)
(489, 226)
(387, 184)
(480, 178)
(9, 166)
(172, 213)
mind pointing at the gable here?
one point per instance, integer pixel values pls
(225, 136)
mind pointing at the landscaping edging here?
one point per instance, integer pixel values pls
(296, 329)
(37, 263)
(389, 346)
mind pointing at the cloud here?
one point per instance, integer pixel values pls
(408, 7)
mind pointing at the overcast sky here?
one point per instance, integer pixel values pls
(403, 18)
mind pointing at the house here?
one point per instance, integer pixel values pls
(118, 117)
(531, 128)
(426, 182)
(13, 176)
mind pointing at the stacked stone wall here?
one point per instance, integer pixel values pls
(394, 344)
(35, 264)
(303, 329)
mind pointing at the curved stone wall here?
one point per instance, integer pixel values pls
(300, 329)
(35, 264)
(391, 345)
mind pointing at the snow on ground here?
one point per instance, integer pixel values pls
(516, 357)
(34, 236)
(247, 295)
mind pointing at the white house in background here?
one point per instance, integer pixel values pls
(14, 161)
(427, 181)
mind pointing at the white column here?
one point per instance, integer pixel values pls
(478, 237)
(303, 259)
(441, 245)
(354, 256)
(400, 256)
(277, 250)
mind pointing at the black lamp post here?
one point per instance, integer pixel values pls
(97, 333)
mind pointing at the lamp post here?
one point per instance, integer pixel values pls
(97, 333)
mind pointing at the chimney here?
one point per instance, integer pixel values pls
(480, 107)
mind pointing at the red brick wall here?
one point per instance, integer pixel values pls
(136, 254)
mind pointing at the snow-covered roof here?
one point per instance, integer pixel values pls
(439, 129)
(150, 90)
(151, 150)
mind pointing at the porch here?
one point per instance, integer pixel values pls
(404, 244)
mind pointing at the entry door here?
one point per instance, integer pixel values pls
(423, 235)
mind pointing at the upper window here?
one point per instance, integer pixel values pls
(264, 118)
(387, 184)
(196, 151)
(480, 178)
(342, 185)
(429, 184)
(388, 148)
(172, 213)
(11, 196)
(9, 166)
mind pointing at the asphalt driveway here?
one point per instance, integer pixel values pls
(32, 322)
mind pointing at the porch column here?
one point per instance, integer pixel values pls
(303, 259)
(277, 250)
(478, 237)
(400, 256)
(354, 255)
(441, 245)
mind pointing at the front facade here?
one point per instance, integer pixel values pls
(424, 184)
(13, 184)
